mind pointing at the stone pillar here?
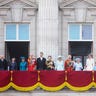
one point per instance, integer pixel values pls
(65, 39)
(2, 42)
(47, 30)
(33, 36)
(60, 33)
(94, 42)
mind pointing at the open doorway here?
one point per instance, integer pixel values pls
(16, 49)
(81, 50)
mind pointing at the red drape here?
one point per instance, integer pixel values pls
(4, 78)
(79, 78)
(25, 78)
(52, 78)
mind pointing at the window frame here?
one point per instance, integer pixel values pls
(81, 39)
(17, 32)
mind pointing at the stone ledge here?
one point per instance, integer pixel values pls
(39, 92)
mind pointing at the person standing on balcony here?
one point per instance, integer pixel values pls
(59, 65)
(23, 64)
(31, 63)
(3, 63)
(89, 63)
(69, 64)
(41, 62)
(50, 63)
(78, 65)
(13, 64)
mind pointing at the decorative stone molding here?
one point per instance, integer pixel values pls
(17, 10)
(78, 10)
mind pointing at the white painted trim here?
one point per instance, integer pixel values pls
(11, 22)
(80, 32)
(17, 41)
(81, 40)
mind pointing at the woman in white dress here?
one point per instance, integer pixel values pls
(59, 65)
(89, 63)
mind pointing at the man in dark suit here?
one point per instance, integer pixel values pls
(41, 62)
(3, 63)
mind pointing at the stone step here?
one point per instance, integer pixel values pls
(40, 92)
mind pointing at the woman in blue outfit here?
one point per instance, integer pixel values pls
(78, 65)
(23, 64)
(59, 65)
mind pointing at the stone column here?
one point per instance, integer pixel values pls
(47, 30)
(94, 42)
(2, 42)
(65, 39)
(33, 36)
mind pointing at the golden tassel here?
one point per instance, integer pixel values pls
(93, 76)
(11, 79)
(65, 75)
(38, 76)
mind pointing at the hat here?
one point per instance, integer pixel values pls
(22, 57)
(59, 56)
(78, 59)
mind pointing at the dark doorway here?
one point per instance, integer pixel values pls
(81, 50)
(16, 49)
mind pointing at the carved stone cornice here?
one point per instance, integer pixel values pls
(17, 10)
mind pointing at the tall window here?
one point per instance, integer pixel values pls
(80, 32)
(17, 32)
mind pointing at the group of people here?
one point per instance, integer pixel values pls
(42, 63)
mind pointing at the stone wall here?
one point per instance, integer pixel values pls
(47, 28)
(48, 21)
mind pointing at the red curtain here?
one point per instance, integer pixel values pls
(47, 78)
(79, 78)
(52, 78)
(25, 78)
(4, 78)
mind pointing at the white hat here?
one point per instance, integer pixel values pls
(59, 56)
(78, 59)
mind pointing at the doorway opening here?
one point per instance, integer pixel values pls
(17, 50)
(81, 50)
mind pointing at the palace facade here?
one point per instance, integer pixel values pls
(56, 27)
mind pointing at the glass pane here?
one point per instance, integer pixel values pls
(74, 31)
(86, 32)
(23, 31)
(10, 31)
